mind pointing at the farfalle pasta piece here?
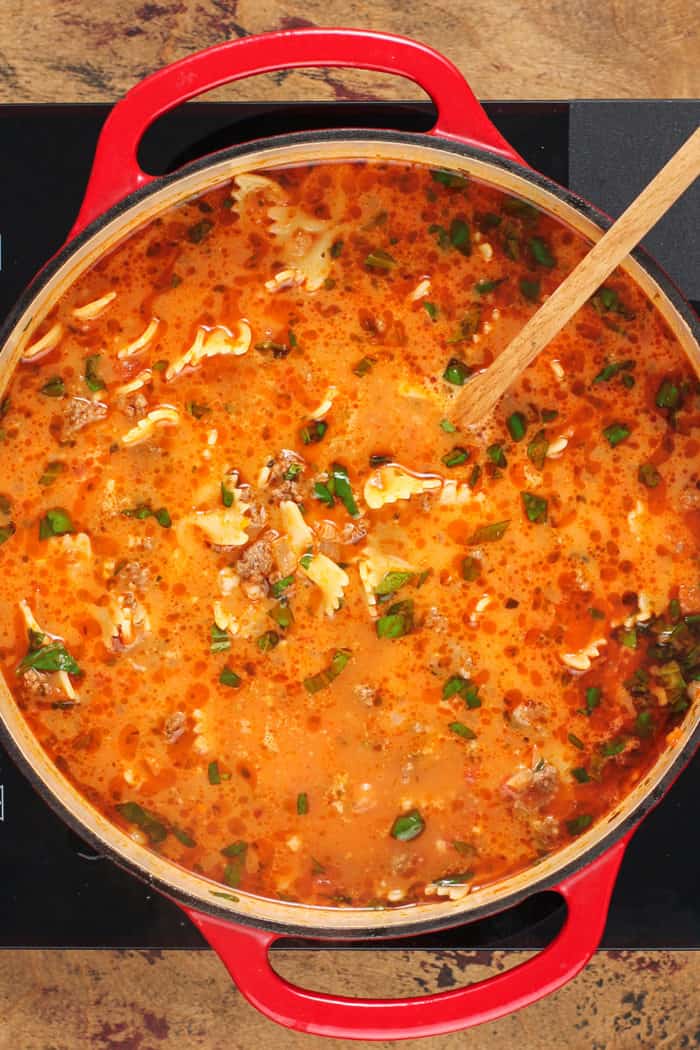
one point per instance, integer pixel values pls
(141, 342)
(391, 483)
(298, 533)
(582, 658)
(211, 342)
(374, 565)
(329, 578)
(163, 415)
(48, 342)
(245, 184)
(92, 310)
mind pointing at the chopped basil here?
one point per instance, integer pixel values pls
(302, 804)
(596, 614)
(313, 432)
(236, 849)
(644, 724)
(148, 822)
(456, 457)
(324, 492)
(47, 656)
(460, 729)
(380, 260)
(535, 507)
(431, 310)
(474, 476)
(408, 826)
(484, 287)
(93, 381)
(281, 585)
(227, 495)
(51, 472)
(393, 581)
(457, 685)
(364, 366)
(648, 475)
(159, 366)
(579, 824)
(496, 454)
(342, 489)
(267, 641)
(612, 369)
(398, 620)
(457, 371)
(56, 522)
(668, 395)
(443, 238)
(537, 449)
(292, 472)
(54, 388)
(489, 533)
(315, 683)
(612, 747)
(278, 350)
(5, 504)
(517, 425)
(379, 460)
(627, 380)
(282, 615)
(144, 510)
(616, 433)
(454, 180)
(6, 531)
(530, 289)
(196, 409)
(522, 209)
(183, 837)
(593, 694)
(219, 640)
(576, 742)
(549, 414)
(469, 324)
(606, 300)
(465, 848)
(4, 407)
(448, 427)
(337, 249)
(230, 678)
(471, 568)
(628, 637)
(580, 774)
(460, 236)
(199, 231)
(305, 560)
(511, 243)
(214, 773)
(541, 253)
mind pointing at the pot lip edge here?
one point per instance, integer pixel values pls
(425, 924)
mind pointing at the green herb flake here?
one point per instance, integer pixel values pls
(484, 287)
(55, 387)
(196, 409)
(644, 724)
(489, 533)
(227, 495)
(337, 249)
(214, 773)
(455, 457)
(596, 614)
(471, 568)
(496, 454)
(648, 475)
(541, 253)
(379, 460)
(457, 372)
(51, 472)
(302, 804)
(160, 366)
(282, 615)
(153, 828)
(380, 260)
(268, 641)
(230, 678)
(315, 683)
(408, 826)
(537, 449)
(616, 433)
(460, 729)
(342, 489)
(530, 289)
(549, 415)
(398, 620)
(6, 531)
(92, 379)
(313, 432)
(579, 824)
(517, 426)
(520, 208)
(431, 310)
(364, 366)
(219, 640)
(668, 395)
(323, 493)
(235, 849)
(447, 426)
(535, 507)
(393, 581)
(593, 695)
(183, 837)
(613, 368)
(199, 231)
(573, 739)
(47, 656)
(56, 522)
(280, 586)
(454, 180)
(460, 236)
(305, 561)
(580, 774)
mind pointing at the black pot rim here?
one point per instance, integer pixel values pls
(424, 924)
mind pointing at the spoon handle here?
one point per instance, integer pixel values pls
(481, 393)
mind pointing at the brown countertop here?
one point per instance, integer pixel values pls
(77, 51)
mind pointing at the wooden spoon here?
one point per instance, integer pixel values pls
(481, 393)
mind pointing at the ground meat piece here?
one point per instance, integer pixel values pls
(534, 787)
(526, 714)
(134, 574)
(174, 726)
(256, 562)
(136, 407)
(436, 620)
(354, 531)
(365, 693)
(257, 516)
(36, 683)
(82, 412)
(285, 488)
(544, 830)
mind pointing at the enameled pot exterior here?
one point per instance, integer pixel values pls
(121, 197)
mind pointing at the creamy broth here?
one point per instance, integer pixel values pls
(268, 607)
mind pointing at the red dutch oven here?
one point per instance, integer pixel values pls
(121, 197)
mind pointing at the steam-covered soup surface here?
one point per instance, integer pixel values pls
(271, 610)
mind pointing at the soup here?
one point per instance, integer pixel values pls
(270, 609)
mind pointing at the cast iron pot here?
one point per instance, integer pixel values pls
(120, 197)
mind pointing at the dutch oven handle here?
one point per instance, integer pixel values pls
(244, 952)
(116, 171)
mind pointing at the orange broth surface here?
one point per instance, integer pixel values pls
(274, 613)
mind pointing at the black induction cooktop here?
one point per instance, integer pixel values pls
(55, 892)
